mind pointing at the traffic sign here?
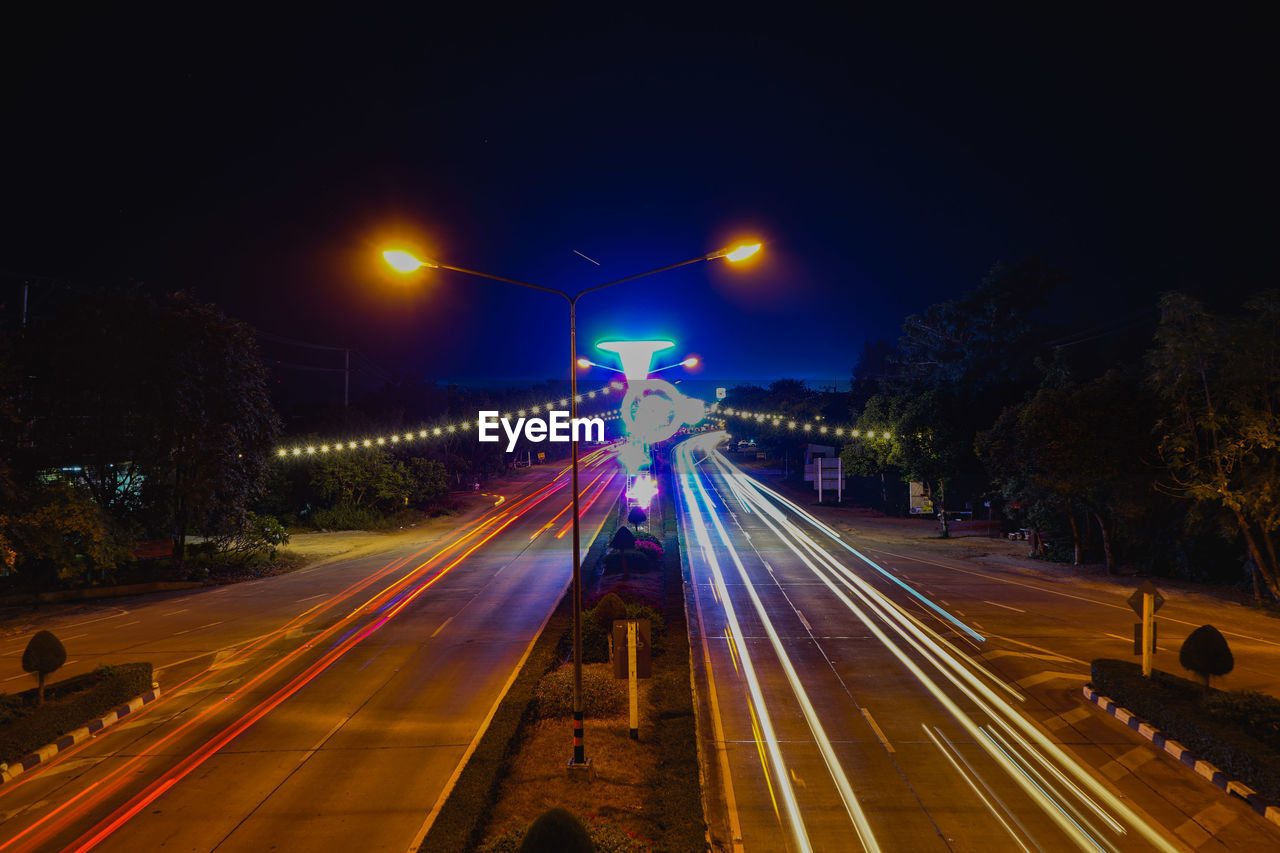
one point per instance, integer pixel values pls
(1147, 588)
(644, 665)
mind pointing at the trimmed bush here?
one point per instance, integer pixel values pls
(602, 694)
(635, 561)
(72, 704)
(1206, 653)
(44, 655)
(1184, 711)
(557, 831)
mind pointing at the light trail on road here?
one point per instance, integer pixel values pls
(1067, 794)
(383, 606)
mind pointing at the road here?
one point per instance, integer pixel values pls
(873, 691)
(327, 709)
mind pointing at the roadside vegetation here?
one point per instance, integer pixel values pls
(1149, 441)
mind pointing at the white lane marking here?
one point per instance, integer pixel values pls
(310, 597)
(176, 612)
(1005, 606)
(32, 674)
(1048, 675)
(441, 628)
(127, 624)
(875, 727)
(805, 621)
(99, 619)
(200, 628)
(74, 637)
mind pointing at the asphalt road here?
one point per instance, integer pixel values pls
(326, 709)
(867, 689)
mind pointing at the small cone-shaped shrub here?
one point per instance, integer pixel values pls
(1206, 653)
(637, 515)
(623, 539)
(557, 831)
(44, 655)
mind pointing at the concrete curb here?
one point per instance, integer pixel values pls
(70, 739)
(1186, 756)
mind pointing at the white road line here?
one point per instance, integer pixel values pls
(127, 624)
(200, 628)
(176, 612)
(805, 621)
(1005, 606)
(441, 628)
(74, 637)
(99, 619)
(310, 597)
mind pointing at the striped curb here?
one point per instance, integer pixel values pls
(1186, 756)
(72, 738)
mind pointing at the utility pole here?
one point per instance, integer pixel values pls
(346, 380)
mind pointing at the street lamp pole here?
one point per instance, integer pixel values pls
(403, 262)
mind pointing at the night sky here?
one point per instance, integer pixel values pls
(886, 162)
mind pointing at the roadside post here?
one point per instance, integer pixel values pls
(636, 665)
(1145, 601)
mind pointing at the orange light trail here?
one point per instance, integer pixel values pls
(212, 746)
(567, 507)
(568, 524)
(104, 789)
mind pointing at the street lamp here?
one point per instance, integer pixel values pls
(405, 262)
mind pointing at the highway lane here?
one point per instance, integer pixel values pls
(848, 706)
(337, 719)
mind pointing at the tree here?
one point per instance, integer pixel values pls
(215, 427)
(1206, 653)
(44, 655)
(55, 533)
(366, 479)
(637, 516)
(1220, 434)
(160, 407)
(1086, 444)
(984, 339)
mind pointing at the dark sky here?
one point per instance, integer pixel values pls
(888, 163)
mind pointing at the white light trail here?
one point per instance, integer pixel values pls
(1052, 790)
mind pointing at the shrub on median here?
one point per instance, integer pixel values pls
(69, 705)
(602, 694)
(1219, 727)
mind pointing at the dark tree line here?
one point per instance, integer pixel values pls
(1166, 458)
(128, 416)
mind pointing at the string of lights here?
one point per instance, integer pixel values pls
(443, 430)
(783, 422)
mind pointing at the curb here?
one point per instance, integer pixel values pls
(72, 738)
(1186, 756)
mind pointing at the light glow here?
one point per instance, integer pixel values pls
(743, 252)
(403, 261)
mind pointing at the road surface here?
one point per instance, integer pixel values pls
(327, 709)
(865, 693)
